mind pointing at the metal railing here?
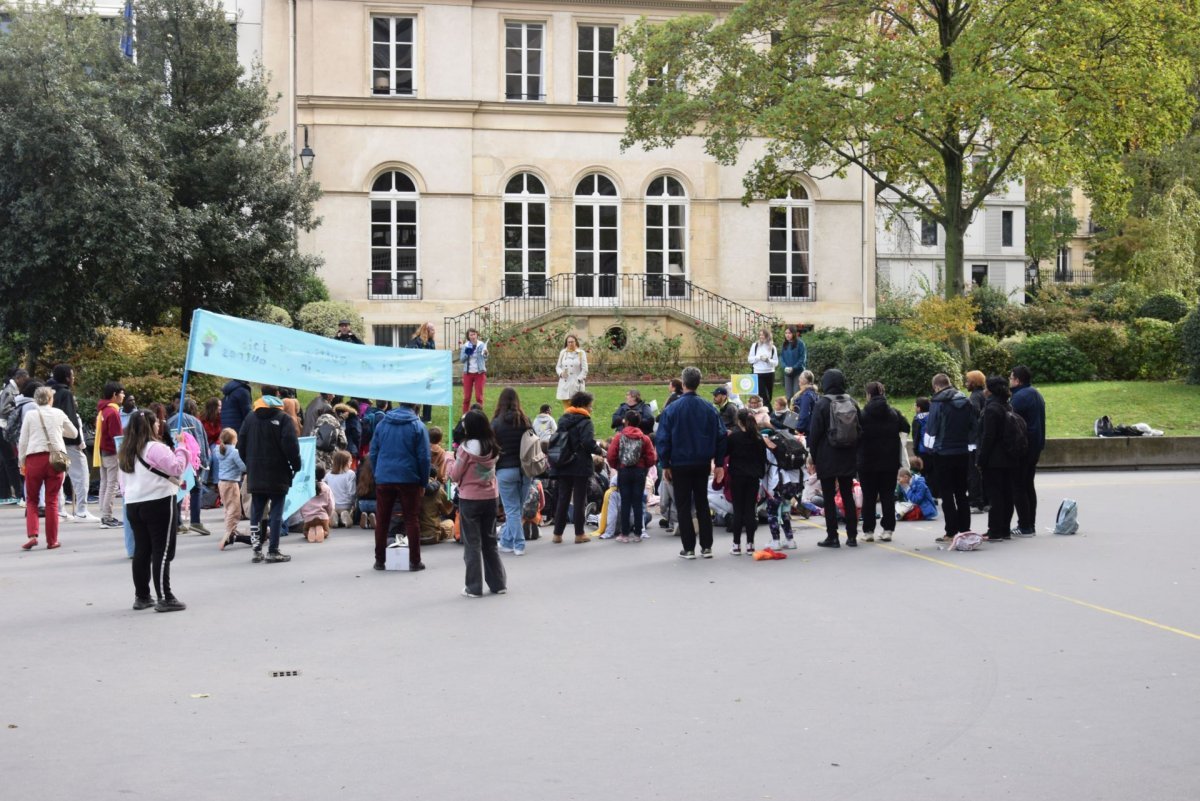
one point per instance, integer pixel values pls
(860, 323)
(403, 287)
(1071, 276)
(787, 290)
(522, 300)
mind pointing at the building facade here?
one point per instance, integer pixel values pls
(470, 152)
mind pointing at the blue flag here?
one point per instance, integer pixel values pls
(127, 31)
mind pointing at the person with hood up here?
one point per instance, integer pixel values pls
(947, 435)
(999, 469)
(634, 403)
(270, 450)
(236, 406)
(834, 435)
(574, 476)
(400, 462)
(878, 461)
(631, 454)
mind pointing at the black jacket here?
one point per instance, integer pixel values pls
(509, 437)
(830, 461)
(747, 454)
(583, 437)
(991, 454)
(64, 399)
(349, 336)
(237, 404)
(879, 445)
(643, 409)
(728, 414)
(978, 402)
(268, 445)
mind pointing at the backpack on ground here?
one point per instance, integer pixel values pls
(1068, 518)
(531, 507)
(629, 451)
(533, 458)
(1016, 436)
(844, 424)
(327, 437)
(790, 452)
(966, 541)
(561, 452)
(12, 432)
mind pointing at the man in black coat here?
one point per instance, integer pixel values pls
(835, 463)
(879, 461)
(268, 445)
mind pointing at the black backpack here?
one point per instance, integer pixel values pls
(1016, 436)
(327, 437)
(790, 452)
(561, 452)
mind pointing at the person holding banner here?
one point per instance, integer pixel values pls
(474, 361)
(764, 358)
(400, 462)
(268, 445)
(424, 341)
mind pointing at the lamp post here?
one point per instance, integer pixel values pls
(306, 153)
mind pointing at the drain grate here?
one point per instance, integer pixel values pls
(283, 674)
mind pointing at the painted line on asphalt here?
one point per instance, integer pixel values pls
(944, 563)
(1115, 613)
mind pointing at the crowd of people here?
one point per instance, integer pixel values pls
(732, 462)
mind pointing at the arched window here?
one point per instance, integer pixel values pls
(394, 237)
(666, 238)
(790, 270)
(597, 260)
(525, 242)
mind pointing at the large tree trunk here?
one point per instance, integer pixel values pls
(954, 284)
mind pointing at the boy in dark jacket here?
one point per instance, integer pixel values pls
(270, 449)
(952, 421)
(878, 461)
(1029, 403)
(631, 477)
(574, 476)
(835, 463)
(236, 406)
(999, 471)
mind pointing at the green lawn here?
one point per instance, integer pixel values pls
(1071, 409)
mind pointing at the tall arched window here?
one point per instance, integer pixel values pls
(666, 238)
(597, 261)
(394, 237)
(790, 271)
(525, 242)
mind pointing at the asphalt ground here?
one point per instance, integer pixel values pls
(1053, 667)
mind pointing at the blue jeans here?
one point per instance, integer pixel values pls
(274, 520)
(631, 483)
(514, 486)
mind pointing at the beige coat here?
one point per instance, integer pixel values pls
(572, 370)
(34, 436)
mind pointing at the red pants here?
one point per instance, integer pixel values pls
(37, 473)
(473, 381)
(409, 496)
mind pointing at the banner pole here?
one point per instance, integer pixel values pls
(187, 364)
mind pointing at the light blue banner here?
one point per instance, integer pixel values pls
(270, 354)
(304, 483)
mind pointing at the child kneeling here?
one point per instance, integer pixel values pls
(318, 511)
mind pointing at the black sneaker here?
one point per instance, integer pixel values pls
(142, 603)
(380, 566)
(706, 553)
(111, 522)
(687, 554)
(276, 556)
(170, 605)
(829, 542)
(257, 557)
(662, 523)
(852, 542)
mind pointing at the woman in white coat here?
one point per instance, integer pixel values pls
(42, 430)
(572, 370)
(764, 358)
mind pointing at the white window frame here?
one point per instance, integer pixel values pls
(524, 49)
(789, 203)
(595, 78)
(393, 198)
(525, 199)
(665, 202)
(595, 201)
(391, 69)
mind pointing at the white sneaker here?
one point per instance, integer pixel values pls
(736, 550)
(504, 549)
(790, 543)
(344, 518)
(88, 516)
(21, 504)
(868, 537)
(774, 545)
(885, 536)
(645, 535)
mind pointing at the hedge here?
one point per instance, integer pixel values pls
(1189, 340)
(1156, 349)
(907, 368)
(1169, 306)
(1052, 359)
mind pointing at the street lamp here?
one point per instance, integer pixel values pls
(306, 153)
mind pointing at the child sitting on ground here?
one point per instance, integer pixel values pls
(366, 495)
(437, 454)
(318, 510)
(778, 410)
(918, 500)
(544, 425)
(810, 497)
(343, 484)
(230, 469)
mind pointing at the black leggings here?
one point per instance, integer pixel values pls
(745, 498)
(154, 525)
(571, 490)
(766, 386)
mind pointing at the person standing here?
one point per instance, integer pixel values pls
(43, 431)
(571, 369)
(794, 358)
(474, 471)
(150, 472)
(690, 438)
(573, 476)
(948, 436)
(747, 465)
(474, 361)
(1029, 403)
(237, 404)
(104, 453)
(999, 470)
(878, 461)
(319, 405)
(835, 432)
(676, 387)
(270, 450)
(976, 385)
(191, 424)
(631, 454)
(12, 486)
(400, 462)
(763, 359)
(62, 381)
(804, 401)
(344, 334)
(423, 340)
(509, 425)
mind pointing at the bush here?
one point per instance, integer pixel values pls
(322, 318)
(991, 360)
(1156, 349)
(823, 354)
(942, 320)
(977, 341)
(1053, 359)
(1046, 318)
(996, 316)
(906, 369)
(150, 366)
(1106, 345)
(1118, 301)
(854, 357)
(1169, 306)
(885, 334)
(275, 315)
(1189, 340)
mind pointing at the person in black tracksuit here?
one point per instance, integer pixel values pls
(747, 464)
(879, 460)
(835, 465)
(998, 468)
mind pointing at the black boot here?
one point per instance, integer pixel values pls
(830, 542)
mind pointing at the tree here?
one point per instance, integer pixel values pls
(83, 215)
(1171, 258)
(235, 197)
(939, 101)
(1049, 220)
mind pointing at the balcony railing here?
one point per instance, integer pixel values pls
(866, 322)
(402, 287)
(784, 290)
(1072, 276)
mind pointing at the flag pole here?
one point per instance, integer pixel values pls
(187, 366)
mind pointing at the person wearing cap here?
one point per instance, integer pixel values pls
(268, 445)
(726, 409)
(344, 334)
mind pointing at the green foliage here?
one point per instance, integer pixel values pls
(1118, 301)
(1170, 259)
(996, 316)
(1053, 359)
(991, 360)
(825, 353)
(907, 368)
(150, 366)
(891, 304)
(1156, 348)
(1106, 345)
(854, 356)
(275, 315)
(1189, 337)
(323, 316)
(885, 334)
(1049, 219)
(1169, 306)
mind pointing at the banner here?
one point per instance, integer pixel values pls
(744, 385)
(270, 354)
(304, 483)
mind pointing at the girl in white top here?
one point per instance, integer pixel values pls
(343, 483)
(42, 431)
(764, 358)
(572, 370)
